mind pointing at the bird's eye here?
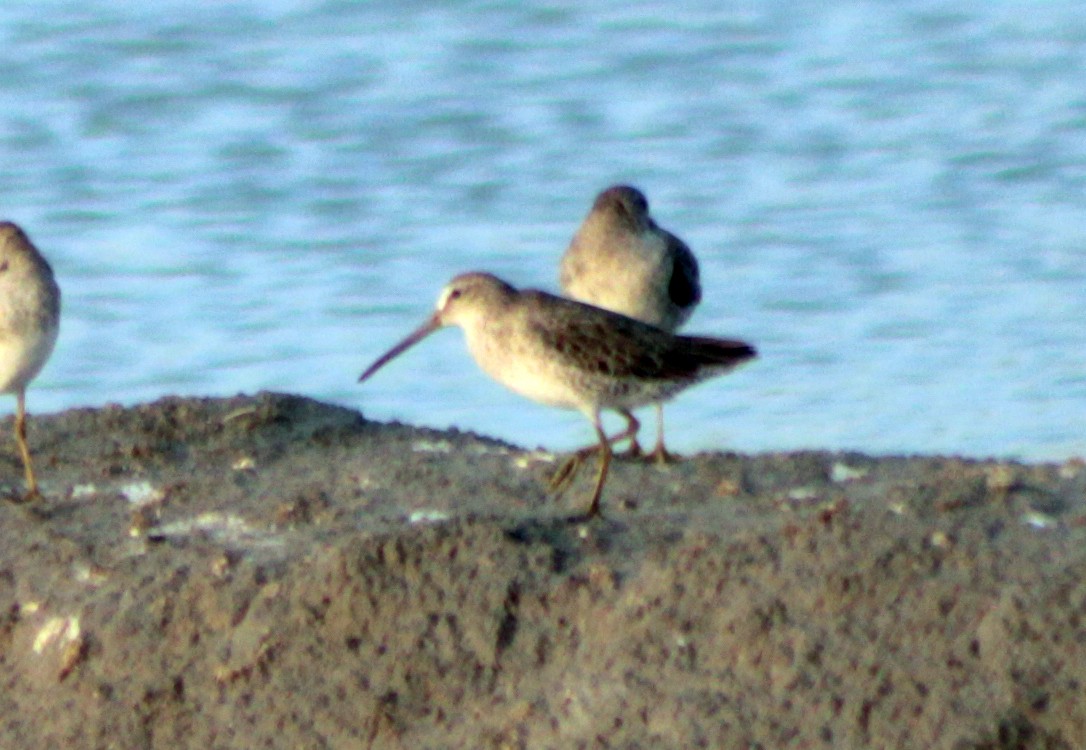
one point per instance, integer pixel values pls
(454, 294)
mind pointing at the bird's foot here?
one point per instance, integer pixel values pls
(633, 451)
(562, 478)
(19, 498)
(587, 517)
(661, 457)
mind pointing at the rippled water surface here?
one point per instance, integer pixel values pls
(889, 199)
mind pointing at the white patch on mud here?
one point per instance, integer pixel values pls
(59, 630)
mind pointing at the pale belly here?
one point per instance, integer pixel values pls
(22, 359)
(535, 381)
(517, 365)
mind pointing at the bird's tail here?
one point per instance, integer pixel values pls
(723, 352)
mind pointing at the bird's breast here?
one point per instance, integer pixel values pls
(518, 360)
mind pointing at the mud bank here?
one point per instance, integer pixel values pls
(273, 572)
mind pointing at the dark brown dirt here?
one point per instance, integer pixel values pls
(272, 572)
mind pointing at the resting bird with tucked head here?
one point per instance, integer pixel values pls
(622, 260)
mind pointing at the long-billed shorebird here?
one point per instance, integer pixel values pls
(621, 260)
(567, 354)
(29, 322)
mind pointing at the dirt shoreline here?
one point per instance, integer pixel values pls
(274, 572)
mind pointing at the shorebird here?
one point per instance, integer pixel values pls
(567, 354)
(29, 322)
(621, 260)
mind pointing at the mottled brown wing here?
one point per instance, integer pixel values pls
(599, 341)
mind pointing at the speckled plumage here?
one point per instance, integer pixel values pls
(29, 323)
(621, 260)
(567, 354)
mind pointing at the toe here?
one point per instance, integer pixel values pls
(561, 478)
(661, 457)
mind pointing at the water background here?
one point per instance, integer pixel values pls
(888, 198)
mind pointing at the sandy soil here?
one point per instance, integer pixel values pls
(273, 572)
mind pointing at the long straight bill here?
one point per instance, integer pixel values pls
(431, 325)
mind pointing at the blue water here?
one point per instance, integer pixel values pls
(889, 199)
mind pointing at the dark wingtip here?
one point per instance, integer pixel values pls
(725, 351)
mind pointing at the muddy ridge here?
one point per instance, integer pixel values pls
(274, 572)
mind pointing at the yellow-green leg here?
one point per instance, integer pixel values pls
(632, 426)
(605, 463)
(569, 467)
(24, 449)
(659, 453)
